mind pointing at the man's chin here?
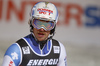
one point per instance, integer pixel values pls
(40, 39)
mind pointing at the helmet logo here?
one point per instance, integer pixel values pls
(44, 11)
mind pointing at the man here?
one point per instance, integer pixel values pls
(38, 48)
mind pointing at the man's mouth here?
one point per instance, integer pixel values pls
(40, 34)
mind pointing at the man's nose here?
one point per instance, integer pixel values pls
(41, 29)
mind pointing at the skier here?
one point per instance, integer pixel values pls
(38, 48)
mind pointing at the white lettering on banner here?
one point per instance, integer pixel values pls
(42, 62)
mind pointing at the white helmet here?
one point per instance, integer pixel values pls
(45, 11)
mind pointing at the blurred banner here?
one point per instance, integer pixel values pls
(79, 20)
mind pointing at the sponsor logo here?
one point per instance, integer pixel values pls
(56, 49)
(26, 50)
(11, 63)
(65, 61)
(14, 56)
(44, 11)
(39, 62)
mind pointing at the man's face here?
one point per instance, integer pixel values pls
(41, 34)
(42, 29)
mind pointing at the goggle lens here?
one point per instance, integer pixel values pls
(46, 25)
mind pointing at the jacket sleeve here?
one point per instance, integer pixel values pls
(12, 56)
(63, 56)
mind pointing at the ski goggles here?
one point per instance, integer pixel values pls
(46, 25)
